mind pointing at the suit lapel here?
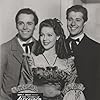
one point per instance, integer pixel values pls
(83, 41)
(17, 50)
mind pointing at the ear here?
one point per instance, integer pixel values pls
(36, 26)
(85, 23)
(16, 26)
(58, 37)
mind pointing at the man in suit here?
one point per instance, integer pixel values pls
(85, 50)
(12, 51)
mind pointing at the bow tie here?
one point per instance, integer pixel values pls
(73, 44)
(26, 46)
(74, 40)
(77, 40)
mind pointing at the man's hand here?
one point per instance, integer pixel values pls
(30, 59)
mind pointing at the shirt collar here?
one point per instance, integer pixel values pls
(80, 37)
(24, 42)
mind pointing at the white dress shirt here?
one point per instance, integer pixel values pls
(25, 42)
(80, 38)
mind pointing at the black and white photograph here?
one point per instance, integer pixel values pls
(50, 50)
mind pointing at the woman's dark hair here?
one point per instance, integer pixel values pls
(61, 50)
(78, 8)
(27, 11)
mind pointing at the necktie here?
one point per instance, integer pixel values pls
(74, 44)
(26, 46)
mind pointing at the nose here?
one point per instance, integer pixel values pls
(73, 23)
(45, 38)
(25, 26)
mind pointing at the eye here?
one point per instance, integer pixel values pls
(41, 34)
(78, 19)
(20, 23)
(49, 34)
(69, 19)
(30, 23)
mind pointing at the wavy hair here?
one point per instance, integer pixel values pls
(78, 8)
(56, 24)
(27, 11)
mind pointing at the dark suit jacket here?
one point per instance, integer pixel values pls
(11, 60)
(87, 60)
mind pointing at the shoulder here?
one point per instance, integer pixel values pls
(61, 60)
(34, 40)
(91, 42)
(37, 58)
(8, 43)
(66, 64)
(6, 47)
(67, 61)
(61, 63)
(39, 61)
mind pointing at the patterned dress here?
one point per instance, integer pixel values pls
(53, 80)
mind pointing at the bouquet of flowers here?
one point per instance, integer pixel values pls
(48, 75)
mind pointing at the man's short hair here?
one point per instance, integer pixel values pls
(27, 11)
(78, 8)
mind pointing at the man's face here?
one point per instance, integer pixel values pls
(75, 23)
(25, 26)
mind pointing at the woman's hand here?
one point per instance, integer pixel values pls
(49, 90)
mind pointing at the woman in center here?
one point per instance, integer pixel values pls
(52, 55)
(52, 70)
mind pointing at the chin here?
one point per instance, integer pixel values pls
(25, 38)
(46, 48)
(73, 34)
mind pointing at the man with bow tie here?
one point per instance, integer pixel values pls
(12, 51)
(85, 50)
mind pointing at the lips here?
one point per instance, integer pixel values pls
(73, 28)
(25, 31)
(46, 43)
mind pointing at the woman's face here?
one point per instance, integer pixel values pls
(48, 37)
